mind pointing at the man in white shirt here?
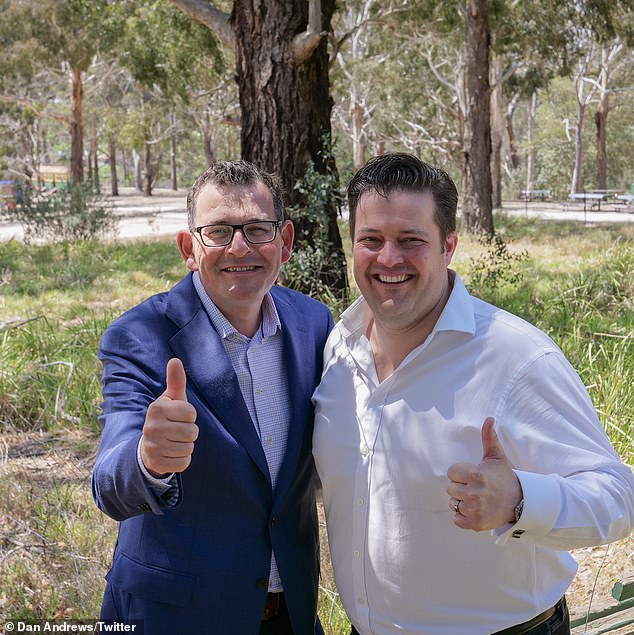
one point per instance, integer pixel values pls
(459, 452)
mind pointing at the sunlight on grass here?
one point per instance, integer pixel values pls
(576, 284)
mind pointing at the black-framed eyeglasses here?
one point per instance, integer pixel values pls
(255, 232)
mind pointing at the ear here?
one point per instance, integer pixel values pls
(185, 242)
(451, 242)
(288, 236)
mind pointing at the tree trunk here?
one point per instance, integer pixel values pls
(208, 142)
(530, 146)
(138, 178)
(286, 105)
(601, 119)
(358, 133)
(96, 185)
(112, 162)
(76, 128)
(510, 131)
(577, 174)
(477, 209)
(174, 177)
(600, 122)
(149, 177)
(497, 130)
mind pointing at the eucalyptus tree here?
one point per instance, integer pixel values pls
(282, 75)
(40, 34)
(172, 59)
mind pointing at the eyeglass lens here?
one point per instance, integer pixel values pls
(254, 232)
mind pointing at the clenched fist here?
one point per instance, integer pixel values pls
(169, 430)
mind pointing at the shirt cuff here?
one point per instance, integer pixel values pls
(542, 505)
(159, 485)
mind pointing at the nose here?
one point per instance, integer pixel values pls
(239, 245)
(390, 254)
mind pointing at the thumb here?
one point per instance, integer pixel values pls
(176, 380)
(491, 447)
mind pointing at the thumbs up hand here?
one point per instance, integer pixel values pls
(488, 492)
(169, 430)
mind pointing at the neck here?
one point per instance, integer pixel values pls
(391, 345)
(245, 320)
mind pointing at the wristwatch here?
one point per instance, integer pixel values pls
(519, 508)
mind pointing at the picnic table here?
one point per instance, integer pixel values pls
(595, 197)
(626, 199)
(530, 195)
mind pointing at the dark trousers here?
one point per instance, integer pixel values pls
(280, 624)
(558, 624)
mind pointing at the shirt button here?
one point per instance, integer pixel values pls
(365, 450)
(360, 501)
(357, 553)
(360, 600)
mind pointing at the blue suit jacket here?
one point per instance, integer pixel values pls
(203, 565)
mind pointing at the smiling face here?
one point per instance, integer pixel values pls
(237, 276)
(400, 261)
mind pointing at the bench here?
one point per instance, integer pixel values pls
(626, 199)
(615, 616)
(530, 195)
(596, 197)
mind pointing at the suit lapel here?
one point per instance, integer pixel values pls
(207, 365)
(299, 388)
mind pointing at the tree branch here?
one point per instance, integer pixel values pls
(206, 14)
(304, 44)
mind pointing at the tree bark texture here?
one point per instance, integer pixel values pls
(477, 209)
(76, 128)
(286, 104)
(601, 122)
(577, 174)
(497, 130)
(530, 144)
(112, 162)
(149, 175)
(510, 131)
(208, 140)
(173, 172)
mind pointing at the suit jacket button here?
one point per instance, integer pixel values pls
(262, 583)
(274, 521)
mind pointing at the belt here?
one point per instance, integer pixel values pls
(525, 627)
(274, 601)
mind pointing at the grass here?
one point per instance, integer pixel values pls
(575, 283)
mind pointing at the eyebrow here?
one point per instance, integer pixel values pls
(372, 230)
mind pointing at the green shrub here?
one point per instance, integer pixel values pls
(72, 212)
(496, 266)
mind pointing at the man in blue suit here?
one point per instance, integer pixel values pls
(205, 457)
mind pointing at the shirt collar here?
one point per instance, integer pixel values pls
(270, 318)
(457, 315)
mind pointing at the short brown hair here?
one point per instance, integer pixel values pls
(404, 172)
(228, 173)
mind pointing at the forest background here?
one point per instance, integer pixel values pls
(504, 95)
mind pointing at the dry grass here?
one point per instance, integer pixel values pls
(55, 546)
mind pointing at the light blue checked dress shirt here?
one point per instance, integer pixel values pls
(259, 366)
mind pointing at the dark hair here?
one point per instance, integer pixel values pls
(405, 172)
(231, 173)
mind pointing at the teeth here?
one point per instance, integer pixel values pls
(393, 279)
(233, 269)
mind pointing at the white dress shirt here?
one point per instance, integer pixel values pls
(382, 451)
